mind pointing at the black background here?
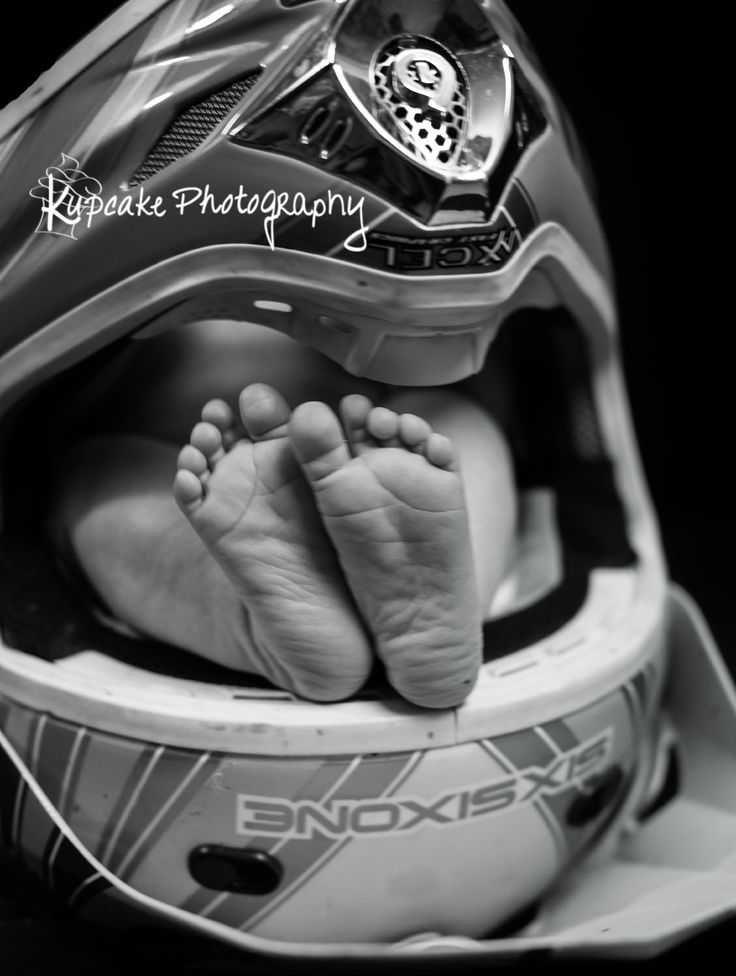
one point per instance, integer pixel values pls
(625, 72)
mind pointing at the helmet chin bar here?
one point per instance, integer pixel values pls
(640, 895)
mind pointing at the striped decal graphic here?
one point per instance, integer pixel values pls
(62, 799)
(558, 735)
(123, 795)
(555, 807)
(184, 775)
(32, 826)
(299, 860)
(27, 827)
(59, 747)
(22, 730)
(316, 782)
(109, 846)
(333, 780)
(524, 749)
(363, 782)
(519, 751)
(159, 783)
(71, 764)
(85, 883)
(573, 821)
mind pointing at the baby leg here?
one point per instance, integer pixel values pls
(391, 496)
(486, 468)
(296, 624)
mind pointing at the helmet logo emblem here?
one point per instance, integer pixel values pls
(420, 96)
(443, 99)
(423, 77)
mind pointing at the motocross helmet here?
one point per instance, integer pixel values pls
(395, 185)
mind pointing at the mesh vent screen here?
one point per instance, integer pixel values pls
(192, 127)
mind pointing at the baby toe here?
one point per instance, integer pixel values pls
(318, 441)
(264, 412)
(208, 439)
(218, 413)
(383, 424)
(441, 452)
(414, 431)
(192, 459)
(354, 410)
(188, 489)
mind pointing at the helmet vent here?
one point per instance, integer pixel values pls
(433, 137)
(192, 127)
(326, 129)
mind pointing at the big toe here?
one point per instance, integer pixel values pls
(318, 440)
(264, 412)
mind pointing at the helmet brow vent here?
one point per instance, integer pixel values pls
(190, 129)
(435, 138)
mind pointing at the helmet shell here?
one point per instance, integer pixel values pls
(451, 197)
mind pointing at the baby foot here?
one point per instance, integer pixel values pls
(396, 515)
(249, 503)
